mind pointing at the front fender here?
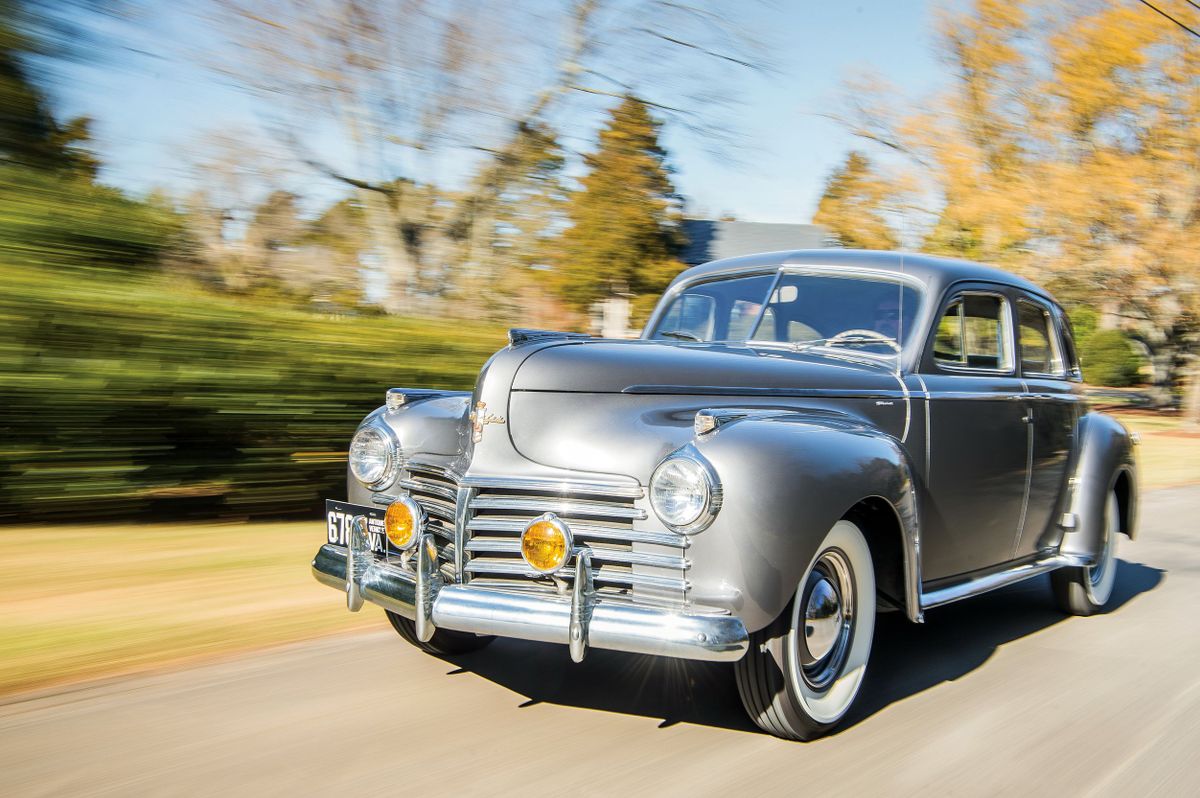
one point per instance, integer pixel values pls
(1104, 455)
(431, 422)
(786, 479)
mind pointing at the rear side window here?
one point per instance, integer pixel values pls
(1040, 350)
(971, 334)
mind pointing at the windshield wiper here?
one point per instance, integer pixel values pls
(681, 335)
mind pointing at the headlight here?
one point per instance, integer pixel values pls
(684, 492)
(374, 457)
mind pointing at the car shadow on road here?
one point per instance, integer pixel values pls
(956, 639)
(906, 659)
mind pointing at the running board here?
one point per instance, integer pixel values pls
(983, 583)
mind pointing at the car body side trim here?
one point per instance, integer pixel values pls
(982, 582)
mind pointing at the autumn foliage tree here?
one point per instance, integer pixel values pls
(1065, 147)
(854, 206)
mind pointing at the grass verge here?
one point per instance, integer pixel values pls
(83, 602)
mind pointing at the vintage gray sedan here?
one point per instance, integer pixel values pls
(798, 441)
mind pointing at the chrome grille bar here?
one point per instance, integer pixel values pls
(513, 546)
(630, 490)
(603, 574)
(562, 506)
(584, 530)
(432, 488)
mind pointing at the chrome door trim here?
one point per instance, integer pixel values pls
(1028, 469)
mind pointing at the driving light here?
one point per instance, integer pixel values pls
(374, 457)
(684, 492)
(546, 543)
(403, 522)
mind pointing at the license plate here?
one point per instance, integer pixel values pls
(339, 516)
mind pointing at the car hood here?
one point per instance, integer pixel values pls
(650, 367)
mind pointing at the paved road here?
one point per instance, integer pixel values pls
(998, 695)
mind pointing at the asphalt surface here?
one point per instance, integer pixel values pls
(997, 695)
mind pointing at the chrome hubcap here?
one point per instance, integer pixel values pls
(828, 602)
(822, 620)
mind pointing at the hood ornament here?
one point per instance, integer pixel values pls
(480, 417)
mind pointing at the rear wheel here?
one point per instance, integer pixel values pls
(803, 672)
(443, 642)
(1085, 591)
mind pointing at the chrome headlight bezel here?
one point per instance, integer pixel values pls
(381, 436)
(703, 474)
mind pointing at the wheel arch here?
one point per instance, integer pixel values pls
(786, 480)
(893, 553)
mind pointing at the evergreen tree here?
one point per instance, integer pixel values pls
(625, 221)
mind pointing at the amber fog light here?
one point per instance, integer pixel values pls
(403, 522)
(546, 543)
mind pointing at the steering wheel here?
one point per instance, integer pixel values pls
(872, 335)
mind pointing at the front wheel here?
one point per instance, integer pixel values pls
(803, 672)
(1085, 591)
(444, 641)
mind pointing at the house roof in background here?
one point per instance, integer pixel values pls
(712, 240)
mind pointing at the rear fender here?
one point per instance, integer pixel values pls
(786, 478)
(1103, 457)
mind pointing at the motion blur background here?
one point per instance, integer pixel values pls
(227, 226)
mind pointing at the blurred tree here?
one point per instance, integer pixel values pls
(507, 220)
(1067, 147)
(1107, 358)
(53, 213)
(625, 228)
(403, 82)
(854, 206)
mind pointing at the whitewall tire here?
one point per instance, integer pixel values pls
(1085, 591)
(802, 673)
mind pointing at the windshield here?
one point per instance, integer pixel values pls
(866, 312)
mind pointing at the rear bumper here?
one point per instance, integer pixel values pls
(579, 621)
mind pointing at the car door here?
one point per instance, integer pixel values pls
(974, 484)
(1053, 402)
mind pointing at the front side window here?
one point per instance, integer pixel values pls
(867, 312)
(971, 334)
(1040, 353)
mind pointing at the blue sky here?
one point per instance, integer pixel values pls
(150, 99)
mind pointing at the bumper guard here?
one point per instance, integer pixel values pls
(580, 622)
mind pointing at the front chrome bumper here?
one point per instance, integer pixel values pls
(579, 621)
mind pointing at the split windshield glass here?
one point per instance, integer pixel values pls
(867, 312)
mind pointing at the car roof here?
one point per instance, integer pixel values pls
(935, 272)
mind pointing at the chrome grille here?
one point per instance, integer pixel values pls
(435, 489)
(627, 559)
(631, 558)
